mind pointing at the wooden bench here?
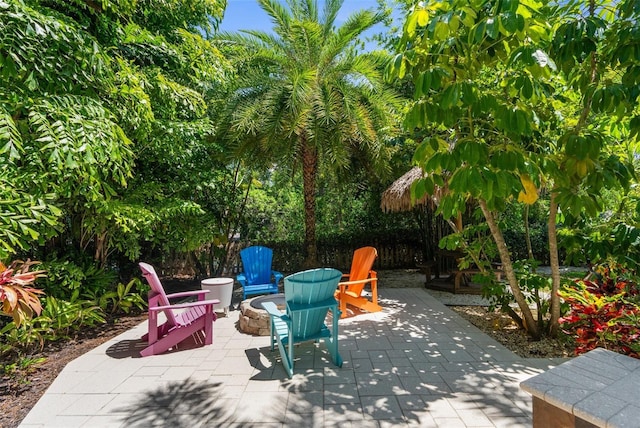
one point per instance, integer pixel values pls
(428, 268)
(462, 277)
(597, 389)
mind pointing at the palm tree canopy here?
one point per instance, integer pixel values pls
(305, 96)
(306, 82)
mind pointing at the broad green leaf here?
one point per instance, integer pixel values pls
(435, 163)
(476, 182)
(423, 152)
(450, 96)
(522, 122)
(454, 24)
(476, 35)
(527, 88)
(523, 11)
(509, 22)
(488, 190)
(426, 82)
(402, 68)
(502, 184)
(510, 5)
(468, 16)
(491, 28)
(538, 33)
(441, 31)
(468, 93)
(418, 82)
(419, 188)
(415, 118)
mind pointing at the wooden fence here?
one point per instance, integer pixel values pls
(391, 255)
(396, 250)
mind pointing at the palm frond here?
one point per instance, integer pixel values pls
(304, 10)
(330, 13)
(280, 16)
(310, 86)
(357, 23)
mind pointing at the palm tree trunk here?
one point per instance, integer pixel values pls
(530, 324)
(554, 261)
(309, 175)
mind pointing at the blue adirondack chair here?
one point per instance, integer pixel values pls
(258, 277)
(309, 296)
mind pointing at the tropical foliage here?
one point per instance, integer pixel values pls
(94, 99)
(305, 98)
(107, 147)
(525, 95)
(129, 130)
(18, 298)
(605, 311)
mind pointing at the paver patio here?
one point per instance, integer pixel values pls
(416, 363)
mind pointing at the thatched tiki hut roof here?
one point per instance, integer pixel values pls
(397, 197)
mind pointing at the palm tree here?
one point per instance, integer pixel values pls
(305, 97)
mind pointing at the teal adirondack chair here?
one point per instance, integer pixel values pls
(257, 276)
(309, 296)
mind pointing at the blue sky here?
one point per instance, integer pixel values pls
(247, 15)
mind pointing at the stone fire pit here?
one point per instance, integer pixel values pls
(254, 319)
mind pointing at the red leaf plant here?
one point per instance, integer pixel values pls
(17, 298)
(604, 312)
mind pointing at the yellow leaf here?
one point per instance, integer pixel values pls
(581, 168)
(530, 193)
(423, 17)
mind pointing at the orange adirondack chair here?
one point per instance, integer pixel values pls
(194, 318)
(350, 292)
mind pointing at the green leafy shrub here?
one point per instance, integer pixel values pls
(65, 277)
(57, 320)
(60, 318)
(122, 299)
(78, 295)
(22, 365)
(30, 335)
(605, 311)
(66, 316)
(534, 286)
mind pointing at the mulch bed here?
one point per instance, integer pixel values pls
(502, 328)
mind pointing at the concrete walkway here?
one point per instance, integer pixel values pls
(417, 363)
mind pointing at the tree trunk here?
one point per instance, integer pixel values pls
(527, 232)
(554, 261)
(201, 270)
(101, 240)
(529, 323)
(309, 175)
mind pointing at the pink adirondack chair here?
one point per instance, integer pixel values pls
(196, 318)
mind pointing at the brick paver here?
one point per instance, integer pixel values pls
(416, 363)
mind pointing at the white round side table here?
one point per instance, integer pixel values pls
(221, 289)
